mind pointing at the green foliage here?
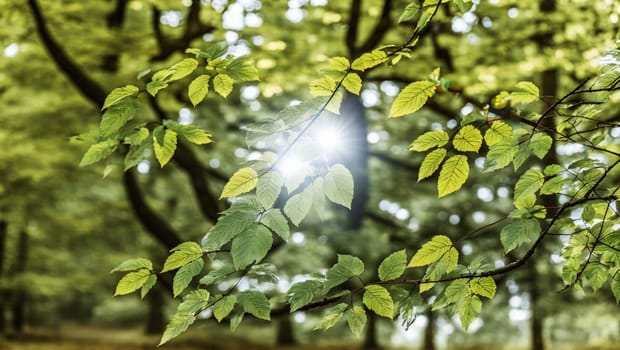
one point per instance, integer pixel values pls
(412, 98)
(182, 255)
(339, 185)
(347, 266)
(251, 246)
(332, 317)
(379, 300)
(224, 307)
(356, 319)
(453, 175)
(430, 139)
(467, 139)
(393, 266)
(119, 94)
(242, 181)
(255, 303)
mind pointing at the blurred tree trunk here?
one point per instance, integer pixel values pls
(536, 324)
(370, 340)
(3, 294)
(429, 331)
(20, 294)
(285, 335)
(155, 322)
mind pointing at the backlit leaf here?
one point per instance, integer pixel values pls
(134, 264)
(356, 319)
(223, 84)
(431, 163)
(498, 132)
(191, 132)
(275, 220)
(324, 86)
(181, 255)
(353, 83)
(529, 183)
(499, 156)
(379, 300)
(223, 307)
(177, 325)
(198, 89)
(164, 144)
(519, 232)
(430, 139)
(251, 246)
(483, 286)
(468, 139)
(241, 69)
(469, 309)
(242, 181)
(339, 185)
(132, 281)
(185, 275)
(412, 98)
(118, 94)
(369, 60)
(117, 116)
(411, 12)
(268, 188)
(332, 317)
(98, 152)
(298, 206)
(148, 285)
(183, 68)
(540, 144)
(393, 266)
(453, 175)
(347, 266)
(302, 293)
(432, 251)
(255, 303)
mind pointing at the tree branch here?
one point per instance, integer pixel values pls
(353, 29)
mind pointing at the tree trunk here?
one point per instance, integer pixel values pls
(536, 324)
(155, 323)
(285, 334)
(20, 294)
(3, 294)
(429, 331)
(370, 340)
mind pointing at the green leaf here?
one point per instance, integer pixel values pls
(298, 206)
(528, 87)
(99, 151)
(356, 319)
(453, 293)
(529, 183)
(595, 276)
(393, 266)
(148, 285)
(155, 86)
(468, 139)
(379, 300)
(521, 156)
(431, 163)
(215, 276)
(432, 251)
(499, 156)
(183, 68)
(353, 83)
(268, 188)
(615, 287)
(117, 116)
(223, 307)
(255, 303)
(369, 60)
(181, 255)
(553, 169)
(242, 69)
(339, 185)
(412, 98)
(134, 264)
(132, 282)
(499, 132)
(194, 302)
(340, 64)
(138, 136)
(411, 12)
(332, 317)
(540, 144)
(553, 185)
(518, 232)
(453, 175)
(430, 139)
(118, 94)
(227, 228)
(483, 286)
(528, 93)
(223, 84)
(198, 89)
(324, 86)
(469, 309)
(301, 293)
(235, 320)
(251, 246)
(185, 275)
(347, 266)
(177, 325)
(192, 133)
(216, 49)
(136, 154)
(164, 144)
(275, 220)
(242, 181)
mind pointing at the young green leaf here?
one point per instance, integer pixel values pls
(268, 188)
(118, 94)
(223, 84)
(498, 132)
(431, 163)
(185, 275)
(453, 293)
(148, 285)
(499, 156)
(393, 266)
(227, 228)
(347, 266)
(132, 282)
(412, 98)
(467, 139)
(298, 206)
(133, 265)
(164, 144)
(155, 86)
(194, 302)
(369, 60)
(483, 286)
(518, 232)
(469, 309)
(324, 86)
(529, 183)
(340, 64)
(183, 68)
(181, 255)
(339, 185)
(352, 83)
(192, 133)
(356, 319)
(117, 116)
(215, 276)
(242, 181)
(432, 251)
(453, 175)
(411, 12)
(275, 220)
(430, 139)
(99, 151)
(379, 300)
(216, 50)
(177, 325)
(241, 69)
(198, 89)
(302, 293)
(255, 303)
(223, 307)
(251, 246)
(332, 317)
(540, 144)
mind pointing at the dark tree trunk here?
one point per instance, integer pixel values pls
(370, 340)
(20, 294)
(285, 335)
(3, 293)
(155, 322)
(429, 331)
